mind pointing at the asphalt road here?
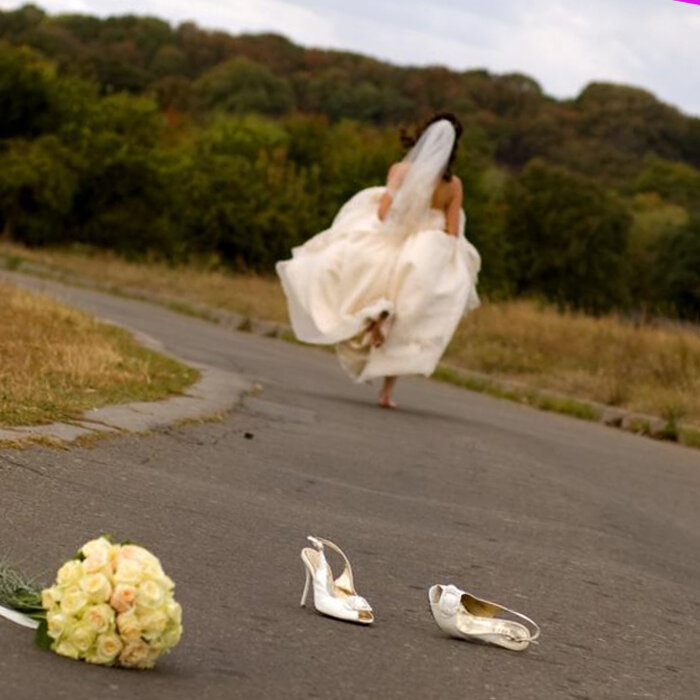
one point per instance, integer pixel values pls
(592, 532)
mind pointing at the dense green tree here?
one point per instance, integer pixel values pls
(25, 93)
(631, 119)
(123, 195)
(568, 238)
(678, 273)
(38, 180)
(243, 199)
(673, 180)
(14, 23)
(241, 85)
(339, 94)
(168, 61)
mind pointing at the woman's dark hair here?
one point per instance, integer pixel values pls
(408, 140)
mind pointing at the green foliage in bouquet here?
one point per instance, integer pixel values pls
(20, 593)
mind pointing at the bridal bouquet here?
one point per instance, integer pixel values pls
(111, 604)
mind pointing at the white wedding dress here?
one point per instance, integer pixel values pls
(407, 268)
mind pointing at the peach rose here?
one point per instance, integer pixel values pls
(129, 626)
(97, 562)
(123, 598)
(109, 646)
(136, 655)
(132, 552)
(99, 617)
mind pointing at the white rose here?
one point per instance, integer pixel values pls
(128, 571)
(171, 637)
(153, 623)
(94, 657)
(65, 648)
(150, 595)
(50, 597)
(153, 570)
(99, 617)
(59, 624)
(82, 637)
(98, 546)
(174, 611)
(73, 600)
(69, 573)
(96, 587)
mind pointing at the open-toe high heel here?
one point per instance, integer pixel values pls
(333, 597)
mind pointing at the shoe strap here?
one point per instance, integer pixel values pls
(345, 580)
(527, 620)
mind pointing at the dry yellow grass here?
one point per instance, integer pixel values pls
(649, 368)
(250, 295)
(56, 362)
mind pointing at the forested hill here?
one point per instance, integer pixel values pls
(128, 114)
(190, 69)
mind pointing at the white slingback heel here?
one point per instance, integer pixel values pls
(465, 616)
(335, 598)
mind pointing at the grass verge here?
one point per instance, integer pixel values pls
(57, 362)
(531, 397)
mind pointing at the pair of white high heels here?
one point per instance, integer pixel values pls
(456, 612)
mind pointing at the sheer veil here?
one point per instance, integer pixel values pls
(426, 161)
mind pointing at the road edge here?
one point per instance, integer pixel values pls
(216, 392)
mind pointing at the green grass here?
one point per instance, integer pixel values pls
(530, 397)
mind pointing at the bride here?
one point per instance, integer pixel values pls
(388, 282)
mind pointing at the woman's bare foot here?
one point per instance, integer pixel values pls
(385, 400)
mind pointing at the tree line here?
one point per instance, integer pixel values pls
(130, 134)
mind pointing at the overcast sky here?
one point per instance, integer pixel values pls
(564, 44)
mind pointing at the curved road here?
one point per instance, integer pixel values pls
(592, 532)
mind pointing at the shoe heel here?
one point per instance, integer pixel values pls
(306, 587)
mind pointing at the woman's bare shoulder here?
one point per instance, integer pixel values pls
(399, 168)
